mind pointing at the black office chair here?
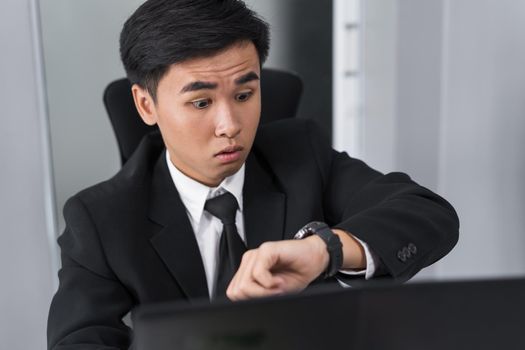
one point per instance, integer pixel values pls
(280, 93)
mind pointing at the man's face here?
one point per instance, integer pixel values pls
(207, 110)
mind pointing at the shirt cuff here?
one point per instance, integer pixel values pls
(372, 263)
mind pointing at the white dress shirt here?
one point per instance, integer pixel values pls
(208, 229)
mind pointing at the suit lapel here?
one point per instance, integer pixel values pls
(175, 242)
(263, 205)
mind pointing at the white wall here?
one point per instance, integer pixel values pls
(81, 57)
(445, 91)
(26, 203)
(483, 135)
(379, 46)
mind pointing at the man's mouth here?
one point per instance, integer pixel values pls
(229, 154)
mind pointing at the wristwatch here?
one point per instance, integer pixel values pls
(333, 244)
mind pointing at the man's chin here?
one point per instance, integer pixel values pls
(227, 170)
(230, 169)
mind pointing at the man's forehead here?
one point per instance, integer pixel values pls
(236, 63)
(232, 59)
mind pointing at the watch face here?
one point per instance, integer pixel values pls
(309, 229)
(302, 233)
(315, 226)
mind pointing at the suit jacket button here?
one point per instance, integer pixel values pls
(401, 256)
(412, 247)
(407, 252)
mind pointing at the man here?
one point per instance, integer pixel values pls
(213, 189)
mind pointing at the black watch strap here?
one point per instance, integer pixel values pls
(333, 244)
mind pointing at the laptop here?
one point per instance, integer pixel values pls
(485, 314)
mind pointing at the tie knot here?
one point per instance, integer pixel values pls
(223, 207)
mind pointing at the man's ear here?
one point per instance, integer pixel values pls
(145, 104)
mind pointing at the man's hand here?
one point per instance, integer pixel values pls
(279, 267)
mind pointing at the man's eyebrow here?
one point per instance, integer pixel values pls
(198, 85)
(246, 78)
(204, 85)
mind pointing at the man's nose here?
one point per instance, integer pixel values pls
(227, 123)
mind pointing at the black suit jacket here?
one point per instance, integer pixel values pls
(129, 241)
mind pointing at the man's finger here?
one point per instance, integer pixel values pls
(243, 273)
(262, 272)
(250, 289)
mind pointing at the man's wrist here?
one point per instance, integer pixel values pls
(320, 249)
(354, 256)
(332, 244)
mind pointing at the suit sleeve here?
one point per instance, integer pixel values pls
(406, 225)
(87, 310)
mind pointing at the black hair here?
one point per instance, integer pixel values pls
(164, 32)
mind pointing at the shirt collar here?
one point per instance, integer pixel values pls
(194, 194)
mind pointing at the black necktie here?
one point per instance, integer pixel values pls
(231, 246)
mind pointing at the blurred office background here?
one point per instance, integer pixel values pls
(434, 88)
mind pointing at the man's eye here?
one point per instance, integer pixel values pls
(201, 104)
(243, 96)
